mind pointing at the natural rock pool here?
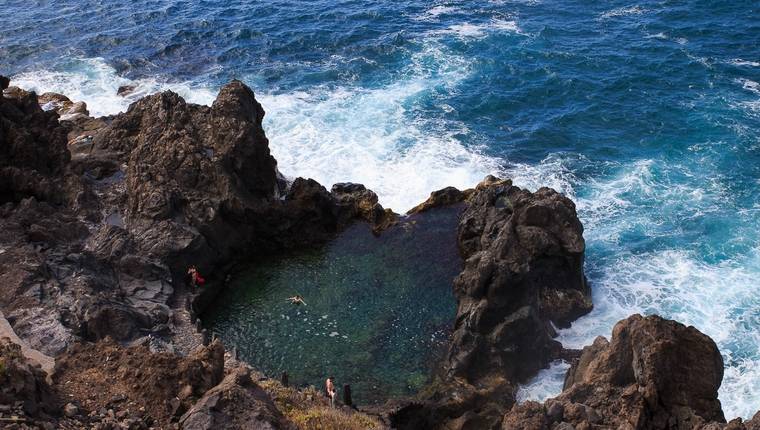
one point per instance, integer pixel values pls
(378, 313)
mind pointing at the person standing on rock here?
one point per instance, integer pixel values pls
(194, 277)
(330, 390)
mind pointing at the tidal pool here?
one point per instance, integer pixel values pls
(378, 313)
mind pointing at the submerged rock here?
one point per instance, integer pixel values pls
(125, 90)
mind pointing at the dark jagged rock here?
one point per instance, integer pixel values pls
(444, 197)
(237, 402)
(521, 249)
(523, 270)
(125, 90)
(354, 200)
(107, 227)
(20, 381)
(32, 149)
(653, 374)
(4, 83)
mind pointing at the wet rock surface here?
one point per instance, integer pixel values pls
(653, 374)
(523, 272)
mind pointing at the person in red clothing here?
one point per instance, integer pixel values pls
(195, 277)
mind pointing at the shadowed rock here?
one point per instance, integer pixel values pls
(653, 374)
(237, 402)
(523, 270)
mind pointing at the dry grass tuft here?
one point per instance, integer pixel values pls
(309, 409)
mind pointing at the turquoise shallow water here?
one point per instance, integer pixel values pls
(646, 113)
(378, 313)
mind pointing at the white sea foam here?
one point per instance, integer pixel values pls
(749, 85)
(660, 35)
(93, 81)
(740, 62)
(434, 12)
(622, 11)
(719, 298)
(374, 137)
(544, 385)
(477, 31)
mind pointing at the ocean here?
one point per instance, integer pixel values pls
(646, 114)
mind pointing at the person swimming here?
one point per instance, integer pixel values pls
(297, 300)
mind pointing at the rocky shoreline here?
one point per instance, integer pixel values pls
(102, 216)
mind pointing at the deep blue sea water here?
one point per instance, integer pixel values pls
(646, 113)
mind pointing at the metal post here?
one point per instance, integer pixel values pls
(347, 395)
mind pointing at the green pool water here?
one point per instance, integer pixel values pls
(378, 313)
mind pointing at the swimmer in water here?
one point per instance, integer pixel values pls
(297, 300)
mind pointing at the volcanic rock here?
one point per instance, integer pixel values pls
(444, 197)
(237, 402)
(22, 382)
(653, 374)
(125, 90)
(523, 271)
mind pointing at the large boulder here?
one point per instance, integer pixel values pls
(523, 271)
(236, 403)
(32, 149)
(653, 374)
(669, 372)
(21, 381)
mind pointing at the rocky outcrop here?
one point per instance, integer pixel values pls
(523, 274)
(102, 230)
(21, 382)
(33, 150)
(162, 385)
(653, 374)
(523, 271)
(443, 197)
(237, 402)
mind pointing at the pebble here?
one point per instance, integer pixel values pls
(70, 410)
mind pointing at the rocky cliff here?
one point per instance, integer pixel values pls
(101, 230)
(101, 218)
(653, 374)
